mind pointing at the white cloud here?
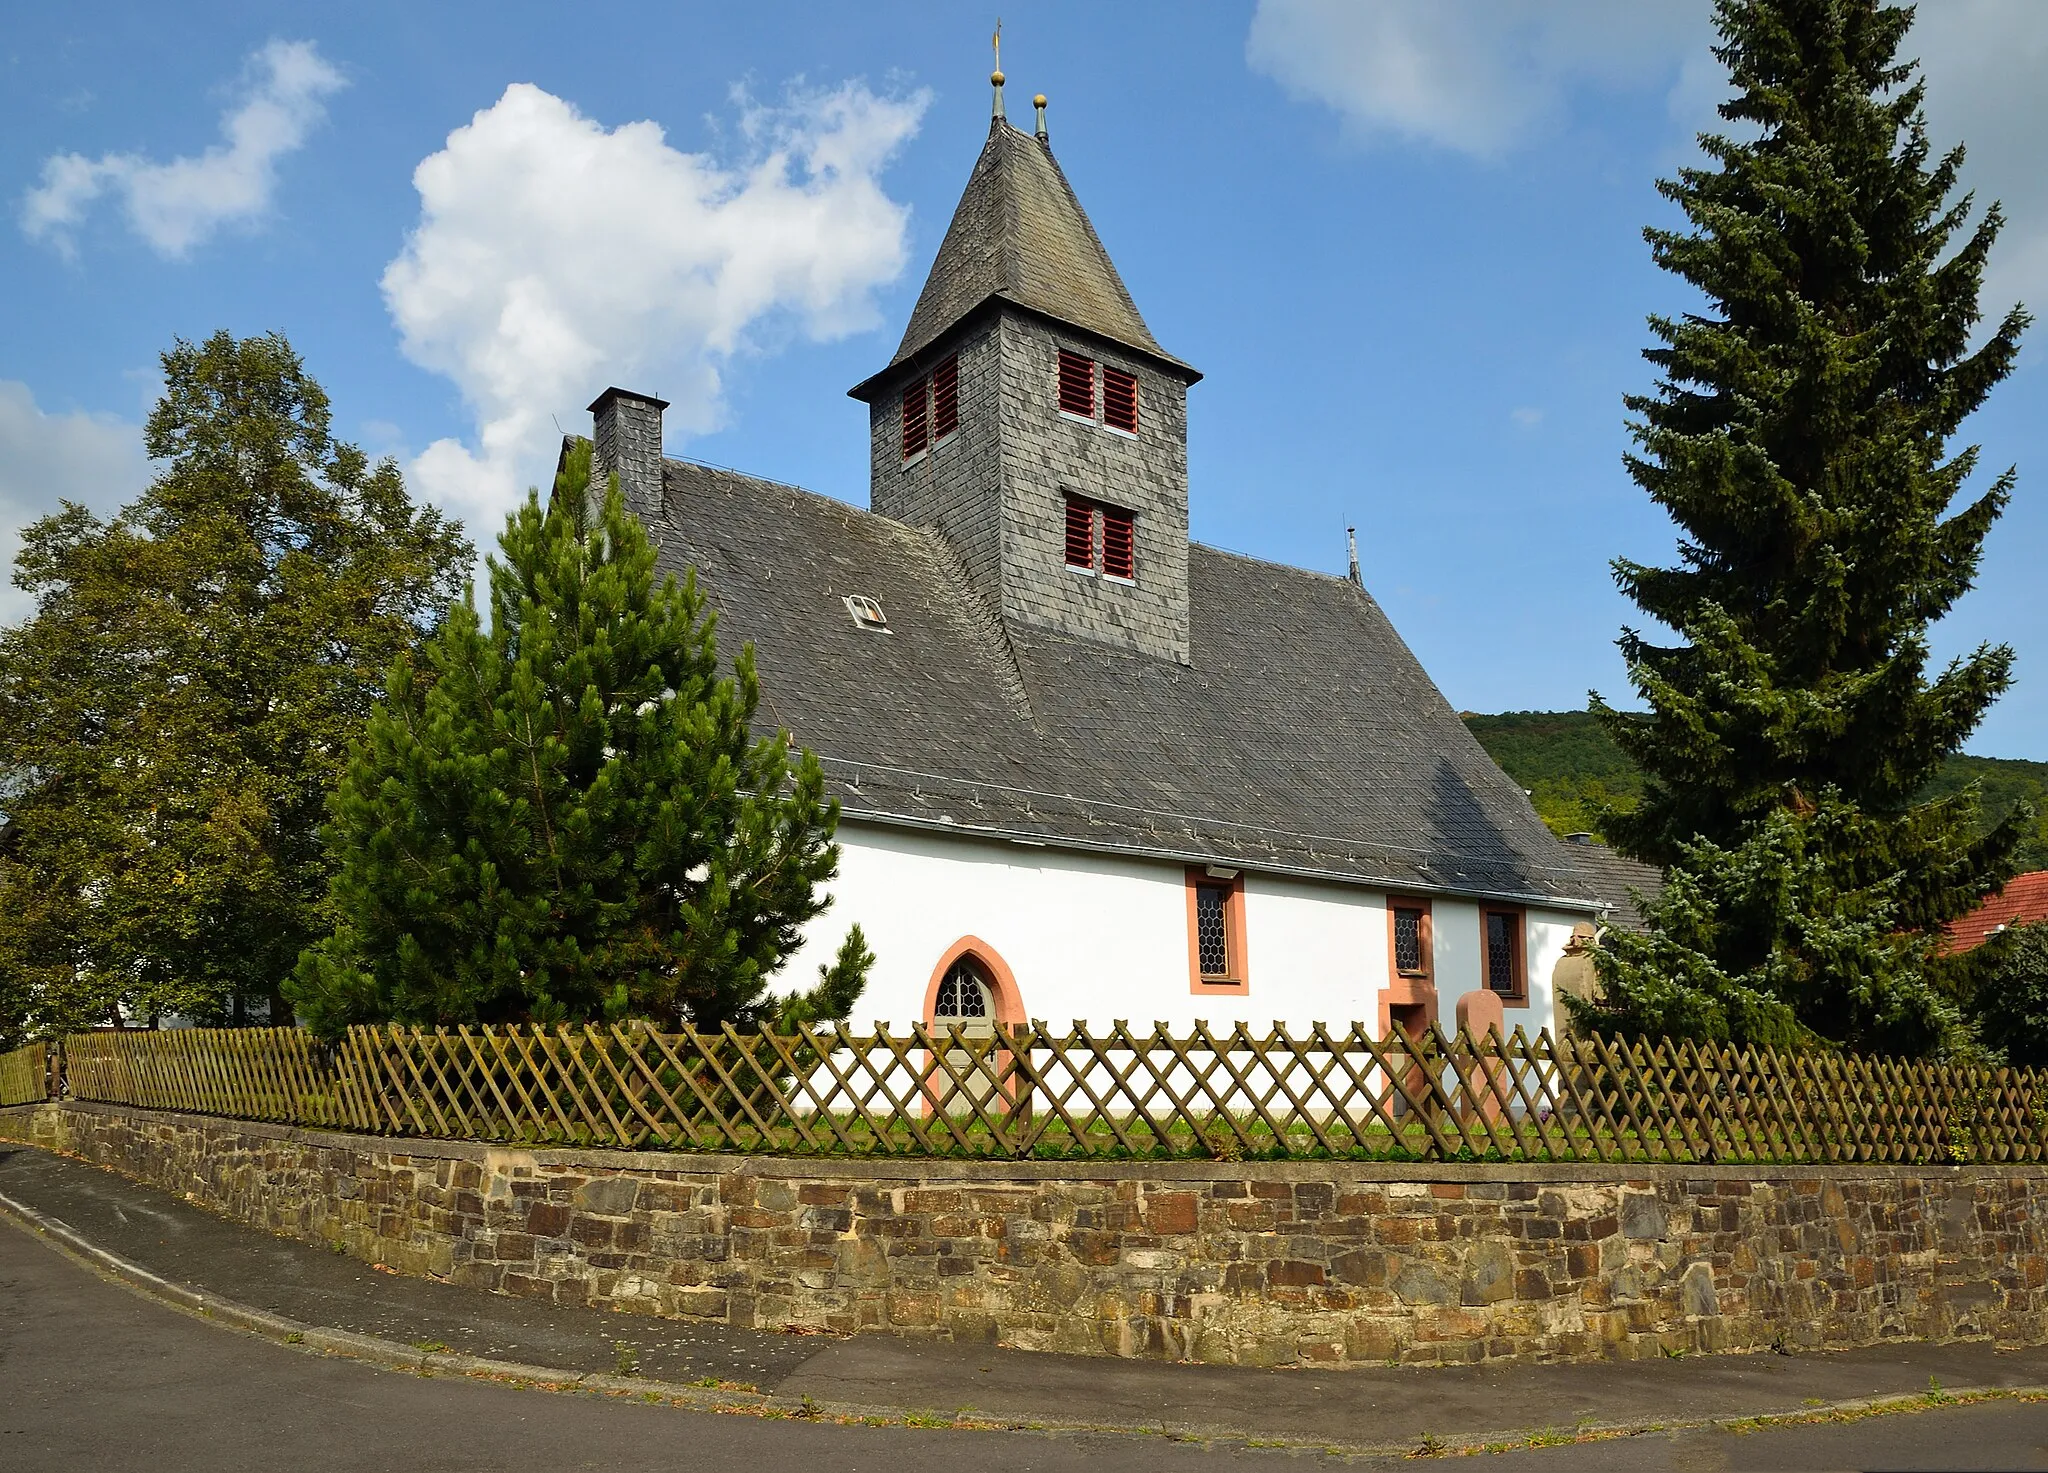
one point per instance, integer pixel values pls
(178, 205)
(554, 257)
(1489, 78)
(93, 459)
(1984, 60)
(1479, 77)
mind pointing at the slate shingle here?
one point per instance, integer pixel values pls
(1301, 737)
(1019, 233)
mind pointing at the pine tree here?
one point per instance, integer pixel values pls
(1798, 437)
(173, 714)
(567, 817)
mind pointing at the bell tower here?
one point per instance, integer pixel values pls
(1031, 419)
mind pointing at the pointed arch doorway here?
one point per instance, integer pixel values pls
(972, 997)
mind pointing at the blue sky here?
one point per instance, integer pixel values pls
(1402, 241)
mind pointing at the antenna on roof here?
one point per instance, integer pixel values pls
(1351, 545)
(996, 77)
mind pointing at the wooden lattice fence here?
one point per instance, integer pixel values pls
(23, 1075)
(1115, 1093)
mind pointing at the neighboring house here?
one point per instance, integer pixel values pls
(1091, 769)
(2022, 902)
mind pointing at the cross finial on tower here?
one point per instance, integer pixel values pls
(996, 77)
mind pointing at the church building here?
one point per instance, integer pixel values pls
(1090, 769)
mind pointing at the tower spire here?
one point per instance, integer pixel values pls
(996, 77)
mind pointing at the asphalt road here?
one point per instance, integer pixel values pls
(93, 1376)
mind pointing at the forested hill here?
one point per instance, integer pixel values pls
(1572, 768)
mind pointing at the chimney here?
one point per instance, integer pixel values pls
(627, 440)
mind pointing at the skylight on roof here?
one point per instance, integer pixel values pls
(867, 613)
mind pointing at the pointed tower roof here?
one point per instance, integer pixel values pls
(1020, 235)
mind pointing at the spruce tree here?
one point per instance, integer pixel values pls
(176, 709)
(567, 816)
(1798, 436)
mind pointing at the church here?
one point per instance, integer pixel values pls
(1090, 769)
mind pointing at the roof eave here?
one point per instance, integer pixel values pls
(997, 833)
(907, 365)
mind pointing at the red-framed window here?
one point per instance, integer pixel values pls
(916, 418)
(1501, 952)
(1080, 533)
(1119, 399)
(1410, 943)
(1077, 384)
(1216, 944)
(946, 398)
(1119, 543)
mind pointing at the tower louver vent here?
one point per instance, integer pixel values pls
(1120, 399)
(946, 398)
(1077, 384)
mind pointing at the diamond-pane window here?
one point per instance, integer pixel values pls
(962, 994)
(1212, 933)
(1077, 384)
(1503, 947)
(1407, 941)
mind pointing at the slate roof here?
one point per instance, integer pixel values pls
(1611, 876)
(1302, 737)
(2023, 901)
(1019, 234)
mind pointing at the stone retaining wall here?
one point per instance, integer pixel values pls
(1246, 1263)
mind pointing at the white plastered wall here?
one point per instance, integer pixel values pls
(1099, 937)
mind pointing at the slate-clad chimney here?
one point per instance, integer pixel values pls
(627, 443)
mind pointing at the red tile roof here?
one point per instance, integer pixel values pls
(2023, 900)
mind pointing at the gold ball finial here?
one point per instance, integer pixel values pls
(1039, 100)
(996, 77)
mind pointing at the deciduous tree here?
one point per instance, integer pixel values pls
(175, 711)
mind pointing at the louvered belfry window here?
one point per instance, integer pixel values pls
(1077, 384)
(1119, 543)
(1119, 399)
(1080, 533)
(916, 424)
(1212, 930)
(946, 398)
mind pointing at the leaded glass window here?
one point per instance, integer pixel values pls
(1212, 935)
(1407, 941)
(1501, 972)
(962, 993)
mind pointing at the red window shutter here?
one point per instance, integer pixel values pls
(1119, 543)
(1080, 533)
(1119, 399)
(946, 398)
(1077, 384)
(916, 428)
